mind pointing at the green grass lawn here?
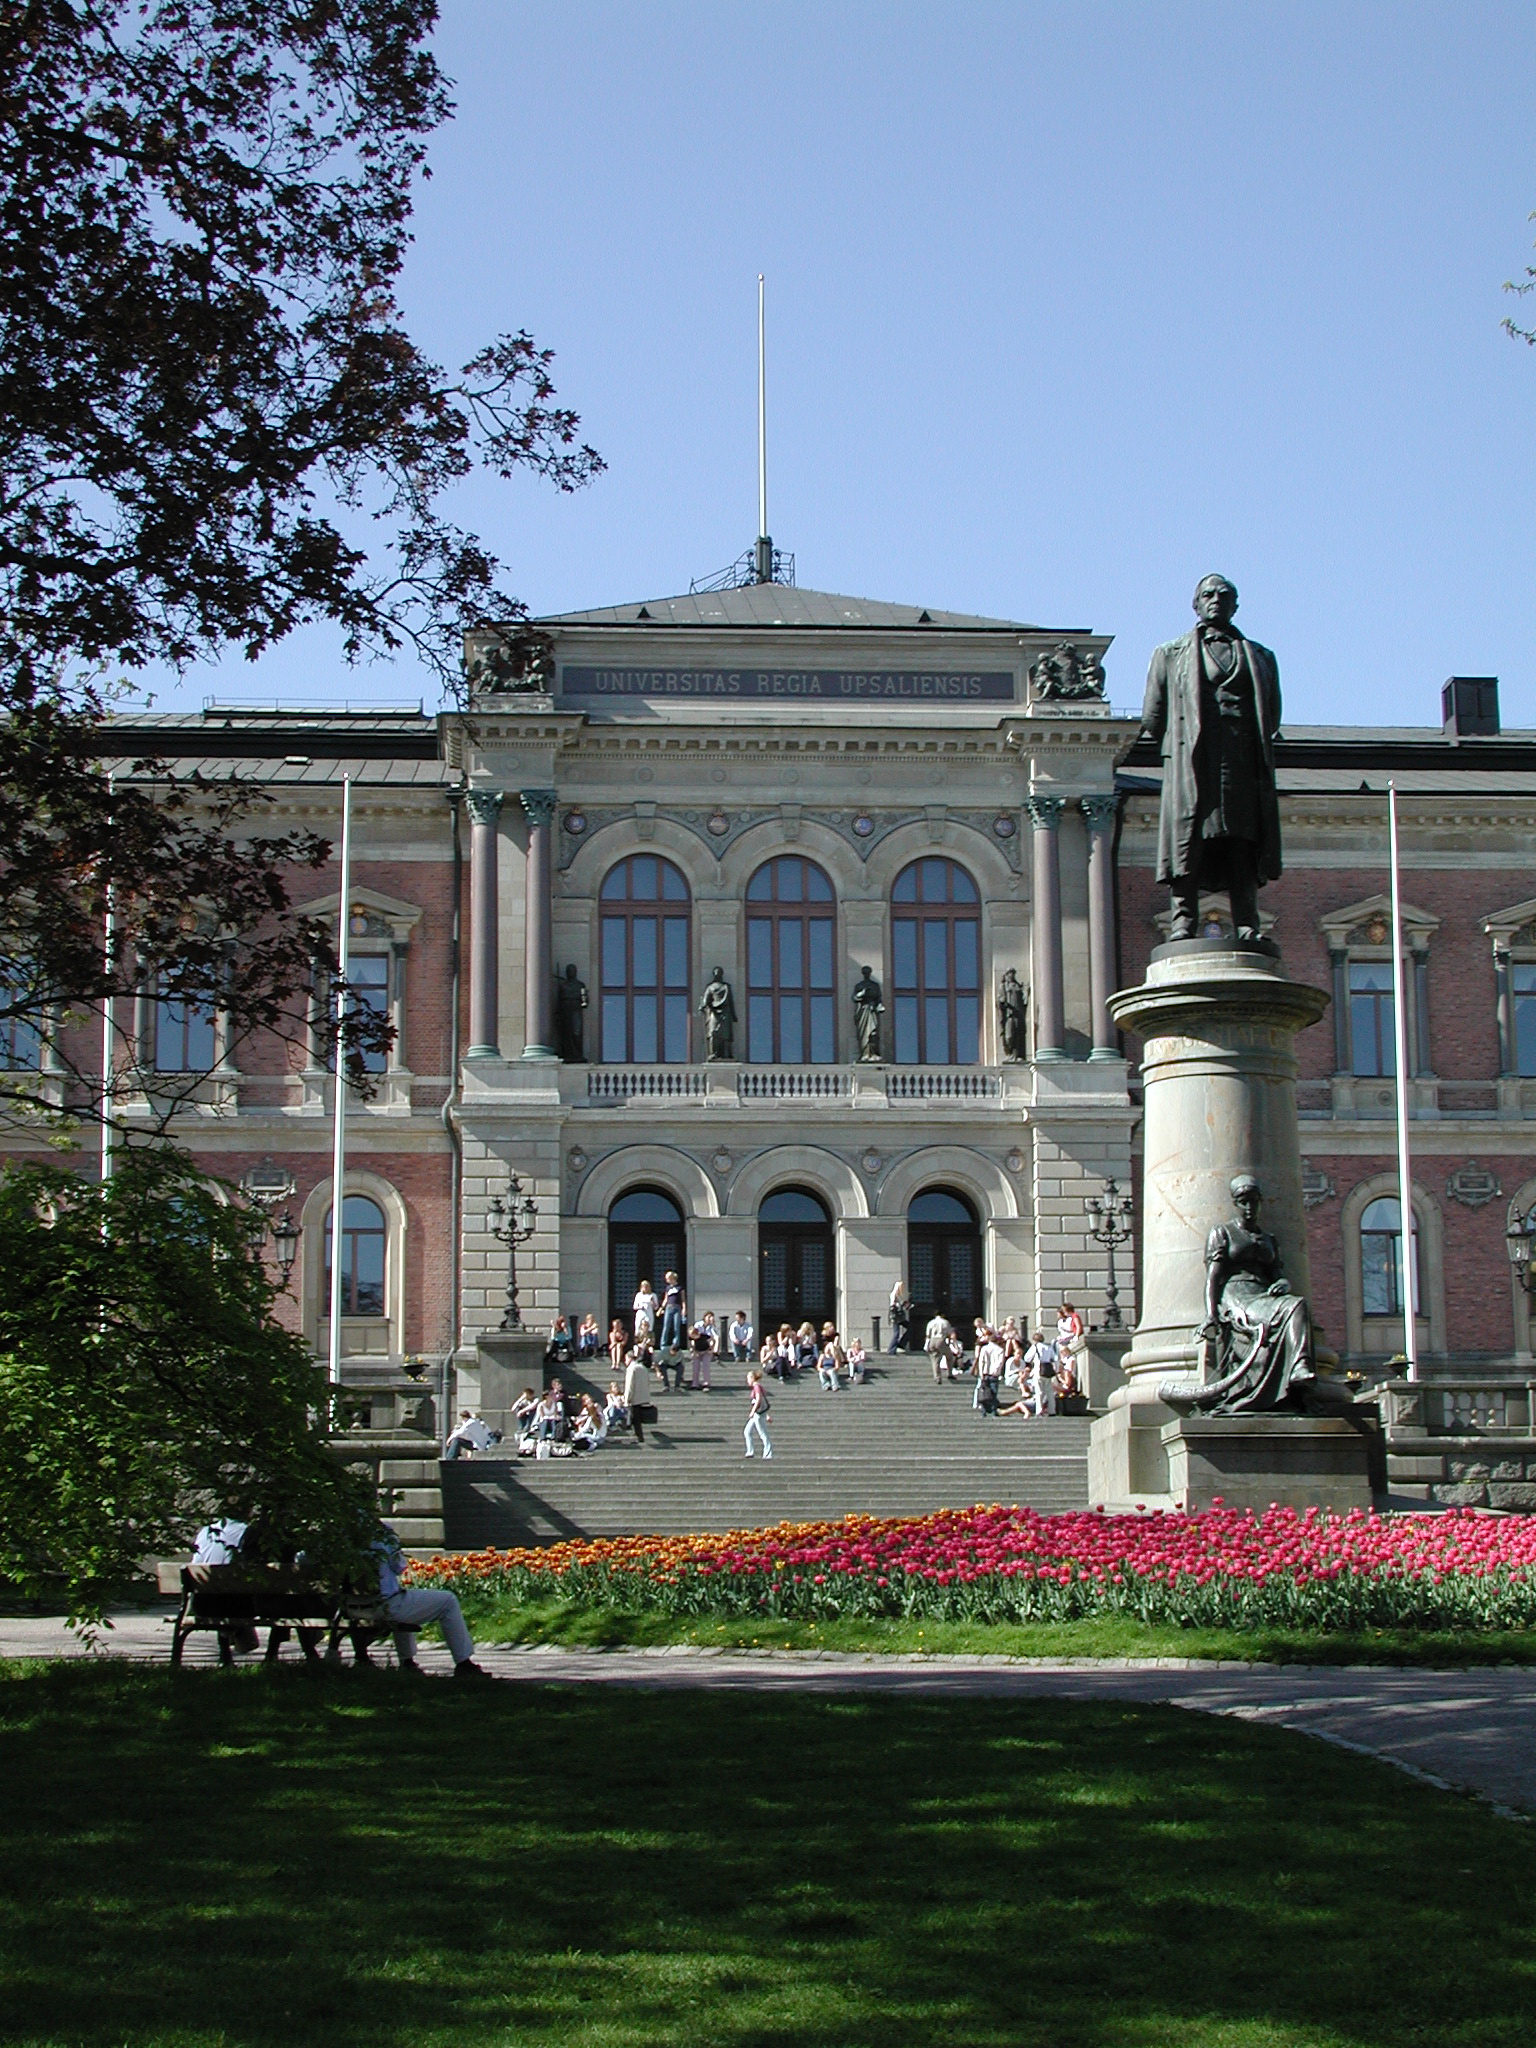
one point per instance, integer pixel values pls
(579, 1626)
(275, 1857)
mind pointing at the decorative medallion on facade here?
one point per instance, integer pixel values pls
(1473, 1186)
(1015, 1161)
(1004, 825)
(576, 1159)
(863, 824)
(722, 1161)
(719, 824)
(575, 823)
(1066, 674)
(872, 1162)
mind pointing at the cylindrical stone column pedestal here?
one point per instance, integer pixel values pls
(538, 959)
(1101, 812)
(1045, 912)
(484, 806)
(1218, 1026)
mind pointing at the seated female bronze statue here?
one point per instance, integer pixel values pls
(1260, 1330)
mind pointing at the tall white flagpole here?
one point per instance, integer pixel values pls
(108, 1017)
(1408, 1234)
(762, 414)
(339, 1128)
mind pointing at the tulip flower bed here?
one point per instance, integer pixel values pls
(1284, 1569)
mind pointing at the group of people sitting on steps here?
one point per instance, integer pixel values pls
(1039, 1372)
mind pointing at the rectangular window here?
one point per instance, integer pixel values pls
(675, 1028)
(967, 1031)
(183, 1038)
(759, 954)
(906, 1031)
(1523, 977)
(935, 957)
(791, 950)
(904, 954)
(21, 1049)
(791, 1023)
(760, 1030)
(643, 940)
(644, 1052)
(614, 1049)
(674, 938)
(821, 1030)
(967, 953)
(1381, 1273)
(937, 1030)
(369, 979)
(613, 955)
(1370, 1018)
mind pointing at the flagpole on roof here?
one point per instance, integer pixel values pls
(1407, 1234)
(339, 1127)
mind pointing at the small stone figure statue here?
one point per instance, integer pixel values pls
(717, 1007)
(868, 1009)
(1213, 708)
(1011, 1006)
(570, 1006)
(1259, 1330)
(1067, 672)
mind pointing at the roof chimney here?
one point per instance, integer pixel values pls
(1469, 706)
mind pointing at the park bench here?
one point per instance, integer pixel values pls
(234, 1600)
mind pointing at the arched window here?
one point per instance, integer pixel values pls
(943, 1260)
(184, 1037)
(645, 951)
(794, 1260)
(790, 1000)
(936, 965)
(646, 1241)
(363, 1235)
(1381, 1259)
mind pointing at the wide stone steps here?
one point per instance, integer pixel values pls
(898, 1446)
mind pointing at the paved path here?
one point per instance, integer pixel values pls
(1474, 1730)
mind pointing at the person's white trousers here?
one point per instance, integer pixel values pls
(756, 1422)
(411, 1611)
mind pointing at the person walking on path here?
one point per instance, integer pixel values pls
(757, 1413)
(936, 1343)
(673, 1312)
(989, 1373)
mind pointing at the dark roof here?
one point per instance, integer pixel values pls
(1356, 760)
(222, 732)
(781, 604)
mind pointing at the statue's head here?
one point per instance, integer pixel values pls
(719, 974)
(570, 972)
(1215, 600)
(867, 972)
(1246, 1193)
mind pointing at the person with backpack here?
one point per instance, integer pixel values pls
(757, 1413)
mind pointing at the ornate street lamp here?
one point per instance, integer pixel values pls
(267, 1185)
(513, 1222)
(1519, 1242)
(1109, 1224)
(285, 1236)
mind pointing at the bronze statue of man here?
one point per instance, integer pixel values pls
(1213, 708)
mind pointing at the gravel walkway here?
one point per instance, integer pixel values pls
(1472, 1730)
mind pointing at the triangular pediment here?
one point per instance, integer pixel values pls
(378, 915)
(1369, 923)
(1514, 926)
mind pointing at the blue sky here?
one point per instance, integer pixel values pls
(1067, 304)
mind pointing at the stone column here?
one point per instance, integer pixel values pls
(484, 806)
(1338, 966)
(1101, 812)
(1049, 1003)
(1509, 1063)
(398, 955)
(538, 956)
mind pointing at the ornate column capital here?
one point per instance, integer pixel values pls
(1100, 811)
(1045, 811)
(483, 805)
(539, 805)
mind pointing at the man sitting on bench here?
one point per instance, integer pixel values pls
(409, 1611)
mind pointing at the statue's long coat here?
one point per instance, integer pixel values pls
(1171, 717)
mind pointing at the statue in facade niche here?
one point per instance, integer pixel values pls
(717, 1006)
(1257, 1332)
(1065, 674)
(1213, 709)
(512, 664)
(1012, 1007)
(868, 1009)
(570, 1016)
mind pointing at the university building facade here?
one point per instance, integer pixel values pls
(692, 830)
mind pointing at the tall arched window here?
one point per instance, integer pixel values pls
(936, 965)
(645, 951)
(790, 930)
(1381, 1260)
(646, 1241)
(795, 1261)
(363, 1235)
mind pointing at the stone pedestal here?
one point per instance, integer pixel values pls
(1255, 1461)
(509, 1361)
(1218, 1024)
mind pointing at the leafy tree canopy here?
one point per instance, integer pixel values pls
(144, 1385)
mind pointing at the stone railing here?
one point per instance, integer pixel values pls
(941, 1084)
(1498, 1404)
(794, 1084)
(623, 1084)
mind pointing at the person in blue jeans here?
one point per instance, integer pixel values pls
(673, 1314)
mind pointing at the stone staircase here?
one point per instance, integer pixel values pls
(405, 1467)
(897, 1446)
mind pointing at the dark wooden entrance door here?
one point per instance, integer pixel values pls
(795, 1282)
(646, 1240)
(943, 1263)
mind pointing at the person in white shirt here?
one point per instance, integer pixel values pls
(645, 1311)
(936, 1343)
(741, 1334)
(1041, 1360)
(757, 1414)
(637, 1392)
(470, 1434)
(409, 1611)
(858, 1362)
(901, 1316)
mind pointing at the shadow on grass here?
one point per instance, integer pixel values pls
(276, 1857)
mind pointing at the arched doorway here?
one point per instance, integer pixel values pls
(794, 1260)
(646, 1240)
(943, 1260)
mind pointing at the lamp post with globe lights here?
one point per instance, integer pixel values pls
(1109, 1224)
(513, 1222)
